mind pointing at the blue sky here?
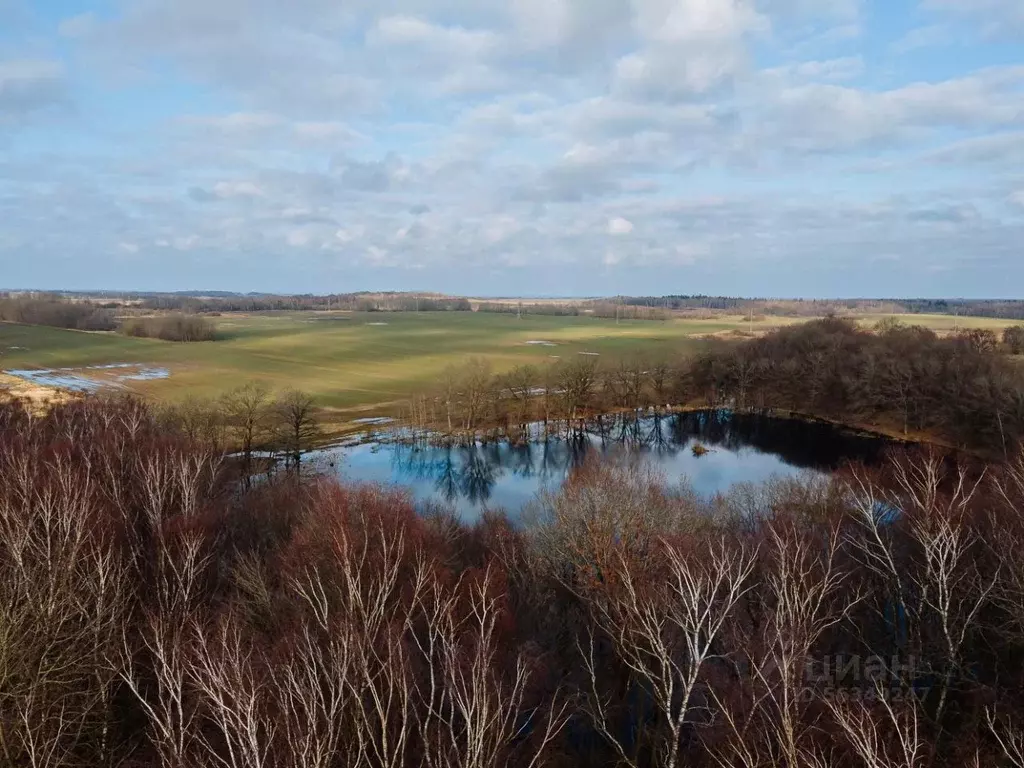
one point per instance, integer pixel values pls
(498, 147)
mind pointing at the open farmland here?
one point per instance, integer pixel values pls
(355, 363)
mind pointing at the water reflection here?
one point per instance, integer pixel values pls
(745, 447)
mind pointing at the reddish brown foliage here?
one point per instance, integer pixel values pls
(154, 613)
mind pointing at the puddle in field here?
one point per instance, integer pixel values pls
(376, 323)
(541, 343)
(374, 420)
(91, 378)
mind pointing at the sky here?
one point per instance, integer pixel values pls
(815, 148)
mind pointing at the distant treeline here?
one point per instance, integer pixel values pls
(1007, 309)
(963, 389)
(764, 306)
(393, 301)
(56, 312)
(352, 302)
(590, 308)
(1011, 310)
(522, 308)
(59, 312)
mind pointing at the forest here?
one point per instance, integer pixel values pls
(154, 611)
(965, 390)
(56, 312)
(960, 388)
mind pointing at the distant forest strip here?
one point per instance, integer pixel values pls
(617, 306)
(56, 312)
(963, 389)
(156, 612)
(1003, 309)
(351, 302)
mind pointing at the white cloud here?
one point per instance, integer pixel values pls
(453, 42)
(619, 226)
(823, 117)
(470, 138)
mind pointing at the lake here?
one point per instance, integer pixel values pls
(744, 448)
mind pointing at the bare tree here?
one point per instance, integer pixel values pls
(664, 630)
(1009, 737)
(886, 735)
(64, 594)
(477, 385)
(166, 637)
(577, 382)
(450, 395)
(943, 587)
(804, 592)
(472, 712)
(246, 410)
(296, 425)
(521, 383)
(235, 691)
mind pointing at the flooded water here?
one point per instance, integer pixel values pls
(91, 378)
(744, 448)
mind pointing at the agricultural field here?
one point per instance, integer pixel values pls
(358, 364)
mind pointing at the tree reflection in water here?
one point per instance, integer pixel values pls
(467, 475)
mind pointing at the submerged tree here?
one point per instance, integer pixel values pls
(246, 412)
(296, 427)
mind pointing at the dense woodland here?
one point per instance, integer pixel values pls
(966, 389)
(56, 312)
(960, 388)
(156, 612)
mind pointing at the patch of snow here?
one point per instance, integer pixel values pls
(591, 354)
(541, 343)
(146, 374)
(57, 379)
(374, 420)
(76, 380)
(376, 323)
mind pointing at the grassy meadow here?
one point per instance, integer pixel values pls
(357, 363)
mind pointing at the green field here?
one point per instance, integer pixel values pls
(363, 362)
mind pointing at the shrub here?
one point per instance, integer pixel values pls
(171, 328)
(1013, 338)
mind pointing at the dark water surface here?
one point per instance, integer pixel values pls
(744, 448)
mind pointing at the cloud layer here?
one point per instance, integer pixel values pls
(781, 147)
